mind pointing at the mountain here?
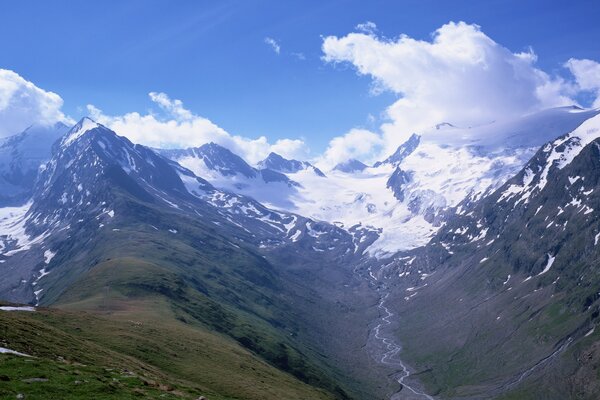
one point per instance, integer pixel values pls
(20, 158)
(512, 276)
(406, 198)
(403, 151)
(212, 158)
(275, 162)
(350, 166)
(115, 232)
(463, 268)
(397, 181)
(228, 171)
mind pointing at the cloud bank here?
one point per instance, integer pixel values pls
(587, 76)
(23, 104)
(177, 126)
(460, 76)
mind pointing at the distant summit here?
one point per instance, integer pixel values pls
(352, 165)
(212, 158)
(403, 151)
(277, 163)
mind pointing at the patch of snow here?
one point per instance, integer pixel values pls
(4, 350)
(551, 259)
(296, 236)
(590, 332)
(17, 308)
(48, 256)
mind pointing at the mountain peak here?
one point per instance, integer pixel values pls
(403, 151)
(281, 164)
(274, 157)
(351, 165)
(84, 125)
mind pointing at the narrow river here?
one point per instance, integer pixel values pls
(389, 354)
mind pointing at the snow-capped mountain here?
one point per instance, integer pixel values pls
(96, 181)
(277, 163)
(553, 198)
(20, 158)
(228, 171)
(526, 240)
(214, 160)
(520, 265)
(349, 166)
(403, 151)
(406, 197)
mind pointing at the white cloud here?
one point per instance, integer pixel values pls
(22, 104)
(460, 76)
(587, 76)
(181, 128)
(357, 143)
(367, 27)
(274, 45)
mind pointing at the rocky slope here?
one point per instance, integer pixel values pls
(511, 281)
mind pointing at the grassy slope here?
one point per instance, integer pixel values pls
(190, 305)
(469, 338)
(141, 340)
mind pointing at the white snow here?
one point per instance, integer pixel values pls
(548, 264)
(4, 350)
(445, 169)
(296, 236)
(48, 256)
(42, 273)
(590, 332)
(86, 125)
(17, 308)
(12, 230)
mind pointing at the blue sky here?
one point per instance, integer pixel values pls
(212, 55)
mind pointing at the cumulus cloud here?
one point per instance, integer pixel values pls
(273, 44)
(460, 76)
(357, 143)
(367, 27)
(23, 104)
(179, 127)
(587, 76)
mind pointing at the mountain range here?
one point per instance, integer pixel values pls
(463, 265)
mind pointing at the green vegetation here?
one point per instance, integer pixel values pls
(187, 309)
(139, 341)
(36, 378)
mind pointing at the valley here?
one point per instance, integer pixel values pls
(188, 273)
